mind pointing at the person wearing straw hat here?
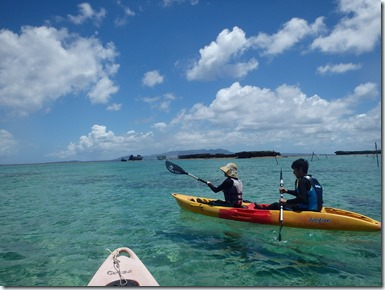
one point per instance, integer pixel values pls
(231, 187)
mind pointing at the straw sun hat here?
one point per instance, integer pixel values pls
(230, 170)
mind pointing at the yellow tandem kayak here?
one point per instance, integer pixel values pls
(327, 219)
(123, 268)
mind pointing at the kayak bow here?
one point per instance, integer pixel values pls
(327, 219)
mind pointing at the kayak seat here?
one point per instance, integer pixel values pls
(217, 203)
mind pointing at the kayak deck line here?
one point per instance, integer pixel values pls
(327, 219)
(123, 268)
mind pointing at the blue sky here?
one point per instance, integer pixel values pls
(102, 79)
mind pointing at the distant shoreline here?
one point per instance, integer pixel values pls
(239, 155)
(358, 152)
(215, 156)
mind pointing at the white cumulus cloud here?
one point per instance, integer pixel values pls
(221, 57)
(7, 143)
(358, 31)
(102, 143)
(42, 64)
(102, 91)
(160, 126)
(168, 3)
(87, 12)
(114, 107)
(363, 92)
(337, 68)
(162, 103)
(256, 117)
(291, 33)
(152, 78)
(128, 12)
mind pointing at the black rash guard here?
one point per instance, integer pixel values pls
(302, 187)
(232, 196)
(226, 184)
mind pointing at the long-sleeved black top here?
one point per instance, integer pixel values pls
(226, 184)
(302, 186)
(232, 190)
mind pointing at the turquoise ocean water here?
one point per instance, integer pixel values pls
(57, 220)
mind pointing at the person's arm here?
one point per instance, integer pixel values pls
(225, 184)
(301, 196)
(289, 191)
(292, 192)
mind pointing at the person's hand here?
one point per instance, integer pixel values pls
(282, 190)
(208, 182)
(282, 200)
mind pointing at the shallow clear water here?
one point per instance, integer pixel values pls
(59, 219)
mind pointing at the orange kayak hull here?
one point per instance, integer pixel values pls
(327, 219)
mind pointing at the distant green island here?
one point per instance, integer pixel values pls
(243, 154)
(358, 152)
(222, 153)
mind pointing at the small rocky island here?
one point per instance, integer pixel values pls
(358, 152)
(243, 154)
(132, 158)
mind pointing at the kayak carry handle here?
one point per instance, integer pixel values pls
(130, 253)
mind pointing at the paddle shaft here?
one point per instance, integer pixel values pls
(197, 178)
(281, 207)
(172, 167)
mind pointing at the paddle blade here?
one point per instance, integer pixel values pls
(174, 168)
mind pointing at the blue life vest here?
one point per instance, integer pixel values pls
(234, 194)
(311, 198)
(318, 190)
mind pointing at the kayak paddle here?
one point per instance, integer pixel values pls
(281, 208)
(179, 170)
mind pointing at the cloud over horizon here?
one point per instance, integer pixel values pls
(104, 143)
(249, 115)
